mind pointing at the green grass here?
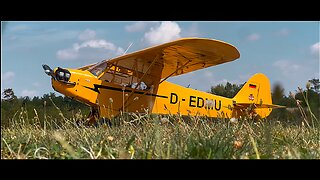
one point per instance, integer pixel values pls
(156, 137)
(138, 136)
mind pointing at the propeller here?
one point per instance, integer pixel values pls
(48, 70)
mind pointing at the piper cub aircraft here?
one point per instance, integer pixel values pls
(136, 82)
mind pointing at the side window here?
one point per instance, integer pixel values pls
(142, 86)
(98, 69)
(125, 76)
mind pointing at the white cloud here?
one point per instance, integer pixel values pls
(100, 43)
(224, 82)
(192, 31)
(165, 32)
(283, 32)
(136, 27)
(211, 79)
(288, 68)
(20, 28)
(244, 77)
(36, 84)
(87, 35)
(8, 76)
(67, 54)
(21, 40)
(253, 37)
(315, 49)
(73, 53)
(29, 93)
(208, 74)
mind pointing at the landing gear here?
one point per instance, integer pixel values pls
(94, 119)
(93, 116)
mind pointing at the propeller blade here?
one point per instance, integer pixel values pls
(48, 70)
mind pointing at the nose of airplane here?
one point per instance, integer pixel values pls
(60, 80)
(73, 83)
(61, 75)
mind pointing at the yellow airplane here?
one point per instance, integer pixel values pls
(136, 82)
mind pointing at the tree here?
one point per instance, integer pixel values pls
(25, 100)
(229, 90)
(277, 94)
(315, 85)
(8, 94)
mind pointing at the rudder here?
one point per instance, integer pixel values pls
(256, 93)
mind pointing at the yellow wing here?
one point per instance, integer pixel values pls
(86, 67)
(180, 56)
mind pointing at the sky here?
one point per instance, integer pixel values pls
(287, 52)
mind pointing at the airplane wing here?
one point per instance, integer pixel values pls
(180, 56)
(148, 67)
(86, 67)
(169, 59)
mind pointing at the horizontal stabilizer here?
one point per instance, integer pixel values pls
(244, 105)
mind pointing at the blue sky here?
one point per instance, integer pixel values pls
(287, 52)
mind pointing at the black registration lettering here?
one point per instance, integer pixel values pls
(200, 102)
(215, 105)
(192, 100)
(173, 98)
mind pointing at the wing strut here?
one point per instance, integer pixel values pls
(140, 80)
(176, 70)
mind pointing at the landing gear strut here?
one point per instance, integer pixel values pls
(93, 116)
(95, 119)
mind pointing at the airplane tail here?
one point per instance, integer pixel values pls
(254, 98)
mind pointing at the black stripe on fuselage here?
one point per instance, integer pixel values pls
(96, 89)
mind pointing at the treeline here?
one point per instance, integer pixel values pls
(50, 106)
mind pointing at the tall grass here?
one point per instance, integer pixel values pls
(145, 136)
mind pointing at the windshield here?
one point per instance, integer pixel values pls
(98, 69)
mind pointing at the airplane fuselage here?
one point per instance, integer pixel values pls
(136, 82)
(167, 98)
(177, 99)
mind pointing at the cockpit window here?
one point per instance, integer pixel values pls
(130, 77)
(98, 69)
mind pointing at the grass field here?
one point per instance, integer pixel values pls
(159, 137)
